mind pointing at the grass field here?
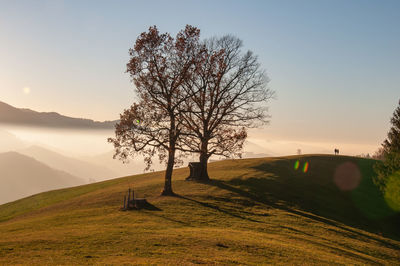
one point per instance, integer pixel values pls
(255, 211)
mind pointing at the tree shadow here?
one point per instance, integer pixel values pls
(156, 214)
(277, 204)
(280, 185)
(217, 208)
(346, 251)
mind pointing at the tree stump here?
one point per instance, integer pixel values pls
(195, 171)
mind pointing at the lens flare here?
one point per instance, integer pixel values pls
(138, 121)
(347, 176)
(296, 165)
(305, 167)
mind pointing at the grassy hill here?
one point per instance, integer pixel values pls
(255, 211)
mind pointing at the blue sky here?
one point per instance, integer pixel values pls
(334, 64)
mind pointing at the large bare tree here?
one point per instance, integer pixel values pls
(229, 95)
(159, 64)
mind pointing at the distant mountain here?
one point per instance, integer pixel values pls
(9, 142)
(85, 170)
(26, 117)
(135, 166)
(21, 176)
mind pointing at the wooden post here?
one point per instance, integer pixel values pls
(129, 197)
(125, 202)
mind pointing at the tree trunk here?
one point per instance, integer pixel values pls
(203, 166)
(168, 175)
(171, 159)
(203, 161)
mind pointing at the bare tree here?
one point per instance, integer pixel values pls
(229, 95)
(158, 66)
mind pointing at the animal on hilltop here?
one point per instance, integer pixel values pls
(336, 151)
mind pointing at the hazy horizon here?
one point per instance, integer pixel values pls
(85, 155)
(271, 144)
(83, 143)
(333, 65)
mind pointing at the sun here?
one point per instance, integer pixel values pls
(27, 90)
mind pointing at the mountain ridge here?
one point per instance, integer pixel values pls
(26, 117)
(79, 168)
(23, 176)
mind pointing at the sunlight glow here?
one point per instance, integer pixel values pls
(27, 90)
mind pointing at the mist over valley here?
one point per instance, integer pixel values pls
(79, 149)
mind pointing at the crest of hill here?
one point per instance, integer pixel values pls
(26, 117)
(254, 211)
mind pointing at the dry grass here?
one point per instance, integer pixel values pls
(256, 211)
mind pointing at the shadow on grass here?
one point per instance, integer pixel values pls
(156, 214)
(153, 210)
(215, 207)
(147, 206)
(150, 207)
(280, 186)
(345, 250)
(327, 221)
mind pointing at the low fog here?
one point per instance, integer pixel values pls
(22, 176)
(34, 160)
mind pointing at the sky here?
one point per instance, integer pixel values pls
(333, 64)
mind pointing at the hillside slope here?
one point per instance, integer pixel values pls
(254, 211)
(21, 176)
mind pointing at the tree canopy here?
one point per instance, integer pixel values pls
(390, 163)
(193, 97)
(229, 95)
(159, 64)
